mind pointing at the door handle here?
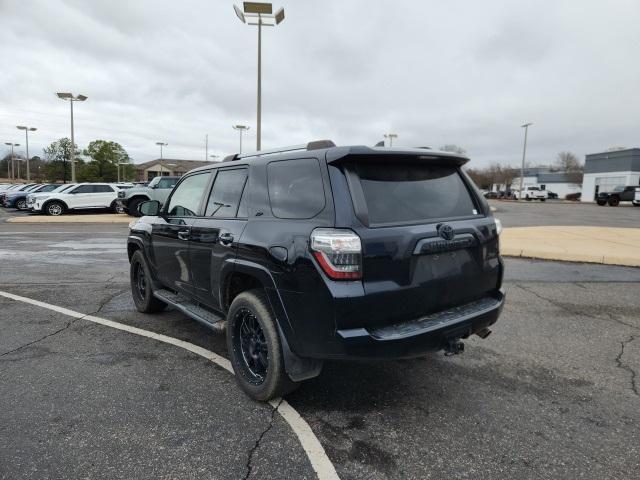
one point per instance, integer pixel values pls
(225, 238)
(183, 234)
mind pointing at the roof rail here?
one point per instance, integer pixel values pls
(314, 145)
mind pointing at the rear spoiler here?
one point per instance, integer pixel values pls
(341, 154)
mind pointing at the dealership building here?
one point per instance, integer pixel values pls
(606, 170)
(545, 178)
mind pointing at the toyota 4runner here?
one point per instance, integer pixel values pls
(320, 252)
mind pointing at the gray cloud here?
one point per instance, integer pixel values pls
(457, 72)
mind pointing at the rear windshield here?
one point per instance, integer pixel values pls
(411, 193)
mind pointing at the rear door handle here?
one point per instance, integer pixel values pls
(225, 238)
(183, 234)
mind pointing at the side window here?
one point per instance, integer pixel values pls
(227, 190)
(167, 183)
(187, 196)
(83, 189)
(295, 188)
(102, 189)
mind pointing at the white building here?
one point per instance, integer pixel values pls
(606, 170)
(543, 178)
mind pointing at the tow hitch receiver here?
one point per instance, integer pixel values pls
(453, 346)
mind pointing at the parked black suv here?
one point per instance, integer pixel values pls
(323, 252)
(617, 195)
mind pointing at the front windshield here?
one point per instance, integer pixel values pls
(618, 188)
(154, 182)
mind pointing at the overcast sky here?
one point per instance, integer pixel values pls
(465, 72)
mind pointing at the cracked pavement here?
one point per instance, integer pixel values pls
(552, 393)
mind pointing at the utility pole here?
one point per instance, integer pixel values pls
(206, 147)
(26, 135)
(524, 153)
(71, 99)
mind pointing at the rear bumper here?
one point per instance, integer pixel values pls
(417, 337)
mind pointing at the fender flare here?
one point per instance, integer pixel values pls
(298, 368)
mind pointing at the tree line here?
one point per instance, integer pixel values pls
(104, 160)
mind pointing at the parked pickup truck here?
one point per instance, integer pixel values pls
(619, 194)
(158, 189)
(533, 193)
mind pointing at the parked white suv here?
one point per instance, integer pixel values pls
(31, 198)
(533, 193)
(82, 196)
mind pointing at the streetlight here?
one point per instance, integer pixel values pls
(13, 170)
(391, 136)
(162, 144)
(260, 14)
(71, 99)
(524, 153)
(241, 128)
(26, 135)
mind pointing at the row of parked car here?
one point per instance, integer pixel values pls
(56, 199)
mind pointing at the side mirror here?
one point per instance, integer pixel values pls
(150, 208)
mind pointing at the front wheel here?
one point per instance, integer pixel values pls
(254, 346)
(614, 202)
(542, 199)
(132, 207)
(21, 204)
(54, 208)
(141, 291)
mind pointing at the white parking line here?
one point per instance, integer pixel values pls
(315, 452)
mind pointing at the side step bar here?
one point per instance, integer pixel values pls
(206, 317)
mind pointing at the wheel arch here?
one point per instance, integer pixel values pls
(49, 200)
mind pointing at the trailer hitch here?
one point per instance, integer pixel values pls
(453, 346)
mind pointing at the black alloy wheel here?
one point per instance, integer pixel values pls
(252, 345)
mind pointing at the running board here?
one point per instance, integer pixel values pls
(193, 310)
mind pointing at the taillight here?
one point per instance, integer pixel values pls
(338, 252)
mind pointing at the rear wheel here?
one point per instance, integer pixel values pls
(527, 198)
(141, 286)
(54, 208)
(602, 203)
(254, 346)
(542, 199)
(614, 202)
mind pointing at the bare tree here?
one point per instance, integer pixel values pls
(569, 164)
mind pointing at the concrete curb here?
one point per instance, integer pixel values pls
(99, 218)
(611, 246)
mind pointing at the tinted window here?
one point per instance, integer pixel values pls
(187, 196)
(225, 196)
(47, 188)
(83, 189)
(102, 189)
(167, 183)
(409, 192)
(295, 188)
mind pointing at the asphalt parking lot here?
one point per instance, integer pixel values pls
(553, 393)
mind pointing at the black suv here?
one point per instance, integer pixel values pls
(321, 252)
(617, 195)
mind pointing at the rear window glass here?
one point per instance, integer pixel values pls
(295, 188)
(410, 193)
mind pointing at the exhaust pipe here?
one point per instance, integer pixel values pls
(484, 333)
(453, 346)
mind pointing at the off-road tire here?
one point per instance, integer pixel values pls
(143, 298)
(275, 382)
(132, 207)
(614, 202)
(602, 203)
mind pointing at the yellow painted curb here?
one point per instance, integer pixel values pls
(612, 246)
(100, 218)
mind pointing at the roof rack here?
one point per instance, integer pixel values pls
(314, 145)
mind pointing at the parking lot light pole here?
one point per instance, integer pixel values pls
(71, 99)
(391, 136)
(26, 135)
(524, 153)
(13, 170)
(241, 129)
(260, 15)
(162, 144)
